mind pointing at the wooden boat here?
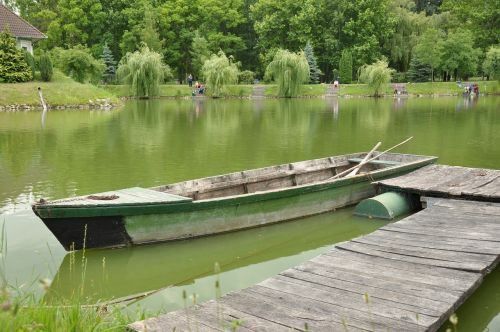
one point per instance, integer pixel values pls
(218, 204)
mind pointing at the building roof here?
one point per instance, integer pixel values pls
(17, 26)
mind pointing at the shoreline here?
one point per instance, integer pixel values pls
(107, 104)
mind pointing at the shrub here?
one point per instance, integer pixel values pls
(246, 77)
(30, 60)
(78, 63)
(45, 66)
(219, 71)
(13, 66)
(142, 71)
(289, 70)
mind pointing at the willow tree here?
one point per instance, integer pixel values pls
(289, 70)
(375, 75)
(219, 71)
(142, 71)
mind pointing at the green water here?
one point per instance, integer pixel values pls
(69, 153)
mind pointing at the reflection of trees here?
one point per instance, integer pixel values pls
(160, 141)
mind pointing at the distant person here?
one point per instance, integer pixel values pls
(190, 80)
(336, 84)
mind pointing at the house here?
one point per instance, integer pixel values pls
(24, 32)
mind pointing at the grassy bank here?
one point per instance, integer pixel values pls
(62, 90)
(427, 88)
(176, 90)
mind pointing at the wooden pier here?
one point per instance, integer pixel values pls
(407, 276)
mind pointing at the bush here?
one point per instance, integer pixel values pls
(399, 77)
(142, 71)
(45, 66)
(81, 65)
(246, 77)
(30, 60)
(13, 66)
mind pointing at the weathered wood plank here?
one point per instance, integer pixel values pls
(406, 276)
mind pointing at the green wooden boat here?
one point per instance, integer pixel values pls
(217, 204)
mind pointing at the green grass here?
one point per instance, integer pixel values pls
(306, 90)
(176, 90)
(427, 88)
(62, 90)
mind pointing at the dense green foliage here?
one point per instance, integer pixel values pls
(78, 63)
(491, 65)
(108, 59)
(375, 75)
(218, 72)
(289, 70)
(13, 66)
(45, 66)
(314, 72)
(246, 77)
(142, 71)
(345, 67)
(30, 60)
(186, 32)
(419, 71)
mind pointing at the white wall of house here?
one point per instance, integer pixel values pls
(25, 44)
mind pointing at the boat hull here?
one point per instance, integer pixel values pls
(99, 227)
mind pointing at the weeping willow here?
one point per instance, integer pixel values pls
(143, 71)
(289, 70)
(375, 75)
(219, 71)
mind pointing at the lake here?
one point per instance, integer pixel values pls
(149, 143)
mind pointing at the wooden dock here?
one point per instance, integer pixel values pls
(406, 276)
(448, 181)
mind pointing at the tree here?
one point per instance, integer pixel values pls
(149, 34)
(427, 49)
(491, 65)
(142, 71)
(199, 53)
(219, 71)
(458, 55)
(375, 75)
(78, 63)
(107, 58)
(13, 67)
(419, 71)
(289, 70)
(314, 71)
(345, 66)
(45, 66)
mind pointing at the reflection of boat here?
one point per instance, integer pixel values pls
(217, 204)
(123, 273)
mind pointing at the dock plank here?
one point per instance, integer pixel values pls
(407, 276)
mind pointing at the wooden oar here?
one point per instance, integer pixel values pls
(368, 155)
(347, 171)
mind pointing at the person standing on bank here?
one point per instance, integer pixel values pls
(190, 80)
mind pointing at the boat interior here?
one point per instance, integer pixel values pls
(281, 176)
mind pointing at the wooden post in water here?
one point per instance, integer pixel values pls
(42, 101)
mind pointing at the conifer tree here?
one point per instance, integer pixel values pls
(13, 66)
(345, 67)
(45, 66)
(110, 64)
(419, 71)
(314, 71)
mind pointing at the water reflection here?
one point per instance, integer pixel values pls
(123, 273)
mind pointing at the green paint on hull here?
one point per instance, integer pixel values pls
(181, 225)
